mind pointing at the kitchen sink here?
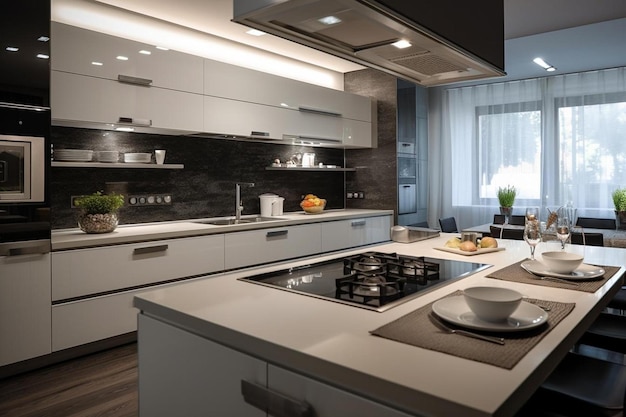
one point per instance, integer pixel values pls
(232, 221)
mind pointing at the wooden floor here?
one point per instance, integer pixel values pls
(102, 384)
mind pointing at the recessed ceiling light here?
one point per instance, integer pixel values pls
(96, 63)
(255, 32)
(122, 58)
(12, 48)
(402, 44)
(43, 39)
(162, 48)
(144, 52)
(329, 20)
(43, 56)
(543, 64)
(125, 129)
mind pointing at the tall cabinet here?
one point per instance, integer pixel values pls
(412, 153)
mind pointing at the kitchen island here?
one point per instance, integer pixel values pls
(198, 341)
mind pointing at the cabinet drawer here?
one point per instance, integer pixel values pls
(345, 234)
(96, 100)
(75, 50)
(82, 272)
(268, 245)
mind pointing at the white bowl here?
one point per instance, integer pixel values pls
(494, 304)
(561, 262)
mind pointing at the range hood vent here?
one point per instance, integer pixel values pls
(365, 34)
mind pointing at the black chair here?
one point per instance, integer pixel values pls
(608, 332)
(504, 233)
(498, 219)
(518, 220)
(580, 386)
(595, 223)
(448, 225)
(589, 239)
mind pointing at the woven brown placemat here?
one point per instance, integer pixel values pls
(515, 273)
(417, 329)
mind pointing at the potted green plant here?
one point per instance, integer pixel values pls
(98, 212)
(619, 201)
(506, 198)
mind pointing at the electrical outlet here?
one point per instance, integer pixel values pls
(361, 194)
(349, 195)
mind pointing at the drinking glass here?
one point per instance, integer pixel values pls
(532, 214)
(563, 230)
(532, 236)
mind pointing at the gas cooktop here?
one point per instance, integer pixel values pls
(372, 280)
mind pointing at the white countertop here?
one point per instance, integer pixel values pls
(331, 342)
(64, 239)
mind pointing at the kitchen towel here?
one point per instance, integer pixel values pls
(417, 329)
(515, 273)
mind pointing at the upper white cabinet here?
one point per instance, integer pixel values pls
(280, 108)
(230, 81)
(99, 81)
(80, 51)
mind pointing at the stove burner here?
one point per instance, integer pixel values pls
(371, 280)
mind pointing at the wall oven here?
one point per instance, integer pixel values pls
(22, 168)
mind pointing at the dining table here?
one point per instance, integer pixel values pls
(615, 238)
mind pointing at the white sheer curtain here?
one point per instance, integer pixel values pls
(556, 139)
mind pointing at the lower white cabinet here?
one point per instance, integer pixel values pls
(24, 307)
(344, 234)
(269, 245)
(82, 272)
(181, 373)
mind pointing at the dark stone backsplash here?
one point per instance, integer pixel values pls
(206, 185)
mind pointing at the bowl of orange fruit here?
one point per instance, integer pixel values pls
(312, 204)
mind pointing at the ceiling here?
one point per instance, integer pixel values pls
(573, 35)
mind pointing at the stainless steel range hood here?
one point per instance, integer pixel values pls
(365, 32)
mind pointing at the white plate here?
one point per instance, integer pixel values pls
(455, 310)
(480, 251)
(584, 271)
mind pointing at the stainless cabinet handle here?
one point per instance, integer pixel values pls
(358, 223)
(303, 139)
(273, 403)
(134, 121)
(150, 249)
(25, 248)
(260, 133)
(322, 112)
(129, 79)
(277, 233)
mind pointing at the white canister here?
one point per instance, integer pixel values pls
(277, 206)
(267, 202)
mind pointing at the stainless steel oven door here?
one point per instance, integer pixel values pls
(22, 169)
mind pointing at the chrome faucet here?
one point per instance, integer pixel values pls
(239, 206)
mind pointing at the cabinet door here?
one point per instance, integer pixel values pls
(88, 271)
(184, 374)
(345, 234)
(96, 100)
(268, 245)
(77, 50)
(407, 198)
(327, 401)
(238, 83)
(330, 130)
(24, 307)
(232, 117)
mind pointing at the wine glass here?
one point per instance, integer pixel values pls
(532, 236)
(563, 230)
(532, 214)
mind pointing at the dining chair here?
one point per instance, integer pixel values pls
(608, 331)
(504, 233)
(448, 225)
(588, 239)
(580, 386)
(498, 219)
(518, 220)
(595, 223)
